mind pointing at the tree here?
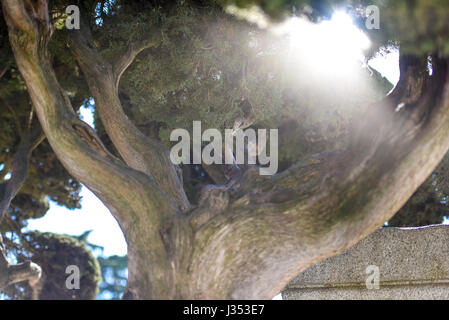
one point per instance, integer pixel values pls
(226, 232)
(53, 253)
(428, 205)
(113, 272)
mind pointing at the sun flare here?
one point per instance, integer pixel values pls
(330, 48)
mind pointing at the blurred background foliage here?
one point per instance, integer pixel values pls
(114, 273)
(421, 26)
(209, 66)
(54, 252)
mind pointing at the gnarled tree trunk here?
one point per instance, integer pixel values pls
(247, 238)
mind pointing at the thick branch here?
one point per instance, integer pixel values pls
(138, 151)
(275, 227)
(131, 196)
(215, 172)
(246, 239)
(25, 271)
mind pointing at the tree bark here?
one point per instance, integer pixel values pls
(138, 151)
(134, 199)
(248, 238)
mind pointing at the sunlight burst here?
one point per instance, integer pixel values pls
(330, 48)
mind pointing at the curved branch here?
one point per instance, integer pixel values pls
(138, 151)
(131, 196)
(25, 271)
(125, 60)
(275, 227)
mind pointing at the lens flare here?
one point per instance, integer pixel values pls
(331, 48)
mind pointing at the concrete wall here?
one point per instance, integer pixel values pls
(412, 263)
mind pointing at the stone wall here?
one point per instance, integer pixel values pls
(409, 263)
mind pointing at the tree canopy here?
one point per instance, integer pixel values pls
(173, 62)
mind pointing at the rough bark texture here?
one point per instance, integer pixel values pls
(138, 151)
(248, 238)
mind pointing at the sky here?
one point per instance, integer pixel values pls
(387, 65)
(96, 217)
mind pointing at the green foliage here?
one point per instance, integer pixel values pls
(429, 204)
(197, 72)
(420, 26)
(211, 67)
(113, 270)
(114, 274)
(54, 252)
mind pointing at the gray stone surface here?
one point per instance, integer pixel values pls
(413, 264)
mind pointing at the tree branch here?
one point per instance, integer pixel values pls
(125, 60)
(275, 227)
(32, 138)
(3, 70)
(138, 151)
(254, 227)
(131, 196)
(25, 271)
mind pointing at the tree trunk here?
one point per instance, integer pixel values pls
(248, 238)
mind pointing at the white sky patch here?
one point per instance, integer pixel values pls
(86, 113)
(93, 216)
(330, 48)
(387, 65)
(278, 297)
